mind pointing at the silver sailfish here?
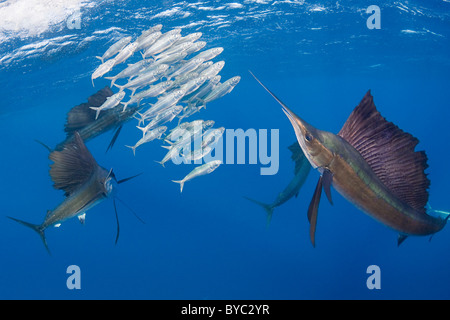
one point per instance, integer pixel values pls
(85, 183)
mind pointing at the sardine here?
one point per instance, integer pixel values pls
(110, 103)
(189, 38)
(213, 70)
(125, 53)
(149, 136)
(143, 42)
(102, 69)
(115, 48)
(209, 54)
(164, 42)
(197, 154)
(189, 66)
(221, 89)
(162, 118)
(212, 136)
(193, 84)
(199, 171)
(131, 71)
(153, 91)
(163, 103)
(144, 79)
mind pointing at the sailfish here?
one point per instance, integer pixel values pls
(84, 182)
(82, 119)
(373, 164)
(301, 171)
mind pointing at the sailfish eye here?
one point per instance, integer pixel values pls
(308, 137)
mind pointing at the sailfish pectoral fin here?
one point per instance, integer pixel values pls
(313, 210)
(400, 239)
(327, 179)
(114, 138)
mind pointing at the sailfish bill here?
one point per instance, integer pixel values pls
(373, 164)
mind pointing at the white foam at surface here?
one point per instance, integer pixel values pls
(29, 18)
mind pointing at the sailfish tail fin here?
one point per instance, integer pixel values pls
(268, 207)
(39, 229)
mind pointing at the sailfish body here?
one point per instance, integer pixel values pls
(373, 164)
(84, 182)
(301, 171)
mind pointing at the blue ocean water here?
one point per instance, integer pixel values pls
(209, 242)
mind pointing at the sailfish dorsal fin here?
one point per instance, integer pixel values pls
(72, 166)
(390, 153)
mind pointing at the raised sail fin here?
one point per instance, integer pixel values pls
(389, 151)
(72, 166)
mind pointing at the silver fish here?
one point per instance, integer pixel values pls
(153, 91)
(197, 154)
(170, 58)
(162, 118)
(189, 66)
(209, 54)
(149, 136)
(211, 137)
(204, 90)
(163, 103)
(193, 84)
(115, 48)
(188, 111)
(102, 69)
(175, 151)
(205, 65)
(144, 79)
(146, 41)
(199, 171)
(213, 70)
(164, 42)
(146, 33)
(195, 47)
(125, 53)
(184, 137)
(189, 38)
(110, 103)
(177, 131)
(131, 71)
(182, 47)
(221, 90)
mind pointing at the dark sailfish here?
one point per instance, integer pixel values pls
(373, 164)
(82, 119)
(301, 171)
(84, 182)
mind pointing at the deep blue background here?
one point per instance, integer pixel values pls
(209, 242)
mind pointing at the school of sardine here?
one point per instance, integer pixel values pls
(180, 80)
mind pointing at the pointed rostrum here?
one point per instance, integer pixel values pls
(389, 151)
